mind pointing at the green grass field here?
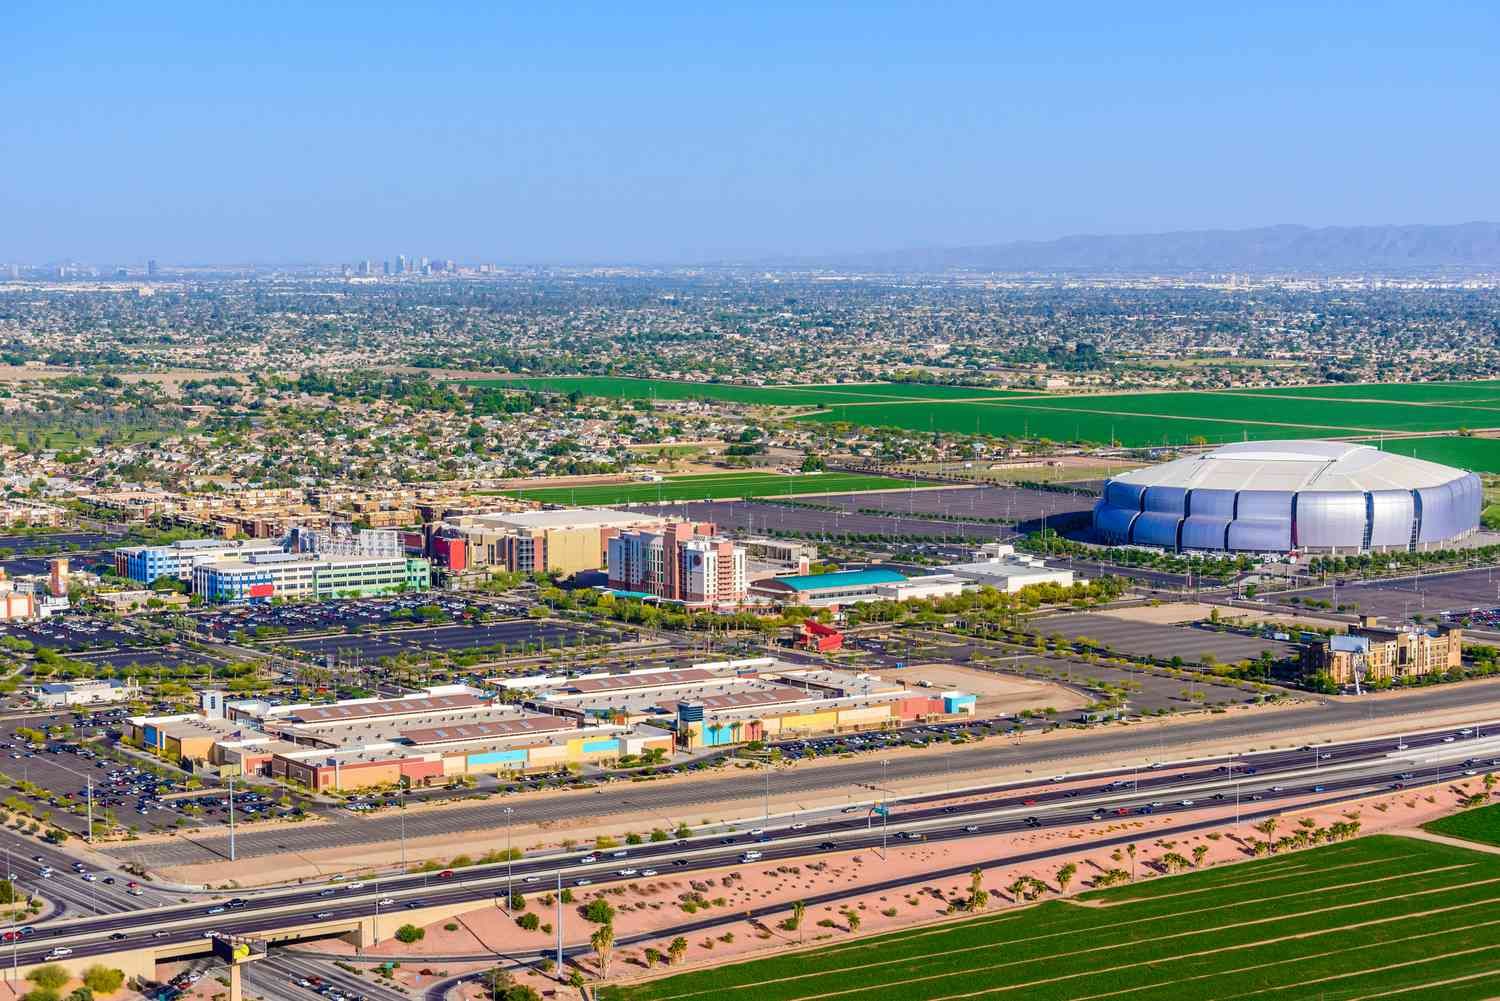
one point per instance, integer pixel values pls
(1481, 824)
(1378, 917)
(712, 486)
(1132, 419)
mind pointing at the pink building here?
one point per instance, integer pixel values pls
(684, 562)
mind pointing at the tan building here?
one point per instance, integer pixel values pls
(1372, 652)
(562, 542)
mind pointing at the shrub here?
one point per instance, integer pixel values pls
(103, 979)
(529, 921)
(410, 934)
(600, 911)
(49, 977)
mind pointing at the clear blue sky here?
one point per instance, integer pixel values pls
(216, 131)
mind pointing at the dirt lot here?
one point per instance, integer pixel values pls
(995, 693)
(1177, 612)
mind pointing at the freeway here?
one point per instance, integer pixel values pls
(1261, 785)
(686, 800)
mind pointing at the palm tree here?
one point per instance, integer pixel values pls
(979, 897)
(852, 917)
(1130, 850)
(1200, 852)
(603, 941)
(1065, 876)
(798, 909)
(676, 949)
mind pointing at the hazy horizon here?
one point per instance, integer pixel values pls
(330, 132)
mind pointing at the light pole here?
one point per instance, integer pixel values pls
(559, 926)
(231, 819)
(90, 787)
(377, 912)
(508, 812)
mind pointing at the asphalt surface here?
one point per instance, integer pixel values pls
(679, 801)
(1348, 771)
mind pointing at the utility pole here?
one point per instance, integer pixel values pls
(90, 838)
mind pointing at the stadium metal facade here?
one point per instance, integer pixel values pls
(1291, 496)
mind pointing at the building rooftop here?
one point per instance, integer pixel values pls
(1295, 465)
(839, 579)
(344, 712)
(523, 726)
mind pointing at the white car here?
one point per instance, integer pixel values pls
(648, 872)
(59, 952)
(323, 914)
(357, 885)
(799, 827)
(387, 902)
(628, 872)
(531, 879)
(757, 831)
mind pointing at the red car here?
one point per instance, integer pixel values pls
(446, 874)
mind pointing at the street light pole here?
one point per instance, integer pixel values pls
(508, 812)
(90, 838)
(231, 819)
(559, 926)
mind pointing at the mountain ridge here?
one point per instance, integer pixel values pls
(1284, 248)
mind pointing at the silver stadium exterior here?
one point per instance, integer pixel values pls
(1291, 496)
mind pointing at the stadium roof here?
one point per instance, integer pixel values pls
(1295, 465)
(840, 579)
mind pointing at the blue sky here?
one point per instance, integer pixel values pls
(663, 132)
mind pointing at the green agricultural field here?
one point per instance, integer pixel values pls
(1482, 455)
(1384, 917)
(1402, 392)
(713, 486)
(783, 396)
(1481, 824)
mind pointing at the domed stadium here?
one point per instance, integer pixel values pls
(1291, 496)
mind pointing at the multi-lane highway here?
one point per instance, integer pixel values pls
(1195, 794)
(686, 800)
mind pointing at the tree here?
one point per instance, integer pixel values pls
(1200, 852)
(979, 897)
(799, 909)
(1065, 876)
(103, 979)
(1130, 850)
(852, 919)
(496, 981)
(410, 934)
(600, 911)
(676, 949)
(603, 941)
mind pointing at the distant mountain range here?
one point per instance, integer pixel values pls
(1301, 249)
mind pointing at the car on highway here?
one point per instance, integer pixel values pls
(585, 881)
(58, 952)
(628, 872)
(587, 859)
(215, 910)
(531, 879)
(118, 936)
(322, 915)
(445, 874)
(972, 829)
(749, 856)
(160, 934)
(799, 827)
(648, 872)
(1449, 739)
(386, 902)
(327, 891)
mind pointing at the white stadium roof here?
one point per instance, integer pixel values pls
(1294, 465)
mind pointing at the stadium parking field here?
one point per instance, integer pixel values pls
(761, 517)
(1008, 503)
(1150, 639)
(712, 486)
(1378, 917)
(1429, 594)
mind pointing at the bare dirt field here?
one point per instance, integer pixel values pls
(995, 693)
(1173, 613)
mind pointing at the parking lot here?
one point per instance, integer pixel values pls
(1149, 639)
(73, 632)
(144, 657)
(509, 636)
(331, 616)
(1427, 595)
(760, 518)
(55, 542)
